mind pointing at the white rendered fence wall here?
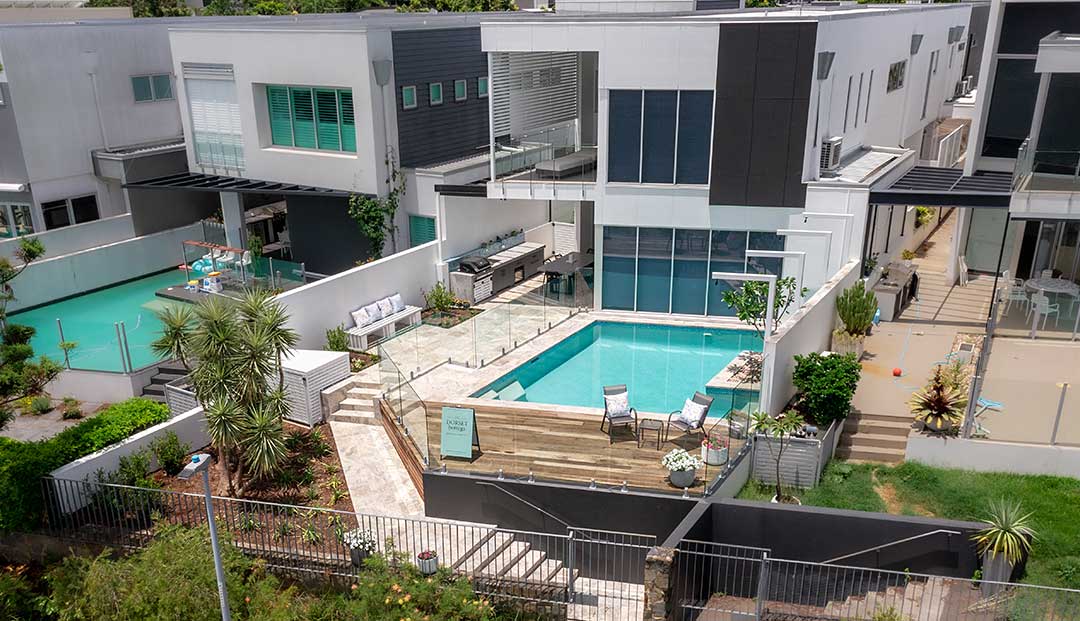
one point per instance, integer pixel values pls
(78, 237)
(991, 456)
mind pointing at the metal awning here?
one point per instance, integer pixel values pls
(945, 187)
(214, 183)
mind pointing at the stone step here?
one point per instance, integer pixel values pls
(357, 405)
(173, 367)
(876, 440)
(481, 554)
(877, 455)
(888, 418)
(157, 398)
(526, 568)
(154, 389)
(165, 378)
(899, 428)
(507, 560)
(362, 393)
(350, 416)
(376, 386)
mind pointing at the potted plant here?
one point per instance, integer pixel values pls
(856, 308)
(779, 429)
(939, 407)
(361, 544)
(1004, 543)
(427, 562)
(682, 467)
(826, 385)
(714, 451)
(907, 256)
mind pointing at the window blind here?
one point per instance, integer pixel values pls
(303, 112)
(348, 122)
(277, 99)
(329, 131)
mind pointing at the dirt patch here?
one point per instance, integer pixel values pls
(888, 494)
(450, 318)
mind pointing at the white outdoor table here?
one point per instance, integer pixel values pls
(1058, 286)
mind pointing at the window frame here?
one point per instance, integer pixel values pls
(641, 138)
(897, 77)
(7, 212)
(149, 77)
(464, 90)
(404, 104)
(431, 94)
(69, 210)
(482, 93)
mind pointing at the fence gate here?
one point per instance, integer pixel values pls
(716, 581)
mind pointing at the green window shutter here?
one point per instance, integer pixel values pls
(348, 122)
(303, 113)
(277, 101)
(162, 86)
(421, 230)
(141, 86)
(327, 114)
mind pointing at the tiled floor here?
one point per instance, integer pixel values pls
(378, 483)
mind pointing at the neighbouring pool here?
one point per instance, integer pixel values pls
(88, 320)
(661, 365)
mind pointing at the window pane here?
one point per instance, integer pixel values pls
(624, 136)
(654, 270)
(763, 240)
(482, 87)
(6, 229)
(162, 85)
(55, 214)
(326, 111)
(1012, 105)
(695, 130)
(24, 222)
(348, 122)
(691, 272)
(765, 265)
(84, 208)
(303, 110)
(620, 247)
(461, 91)
(141, 87)
(658, 145)
(408, 97)
(277, 102)
(435, 93)
(728, 255)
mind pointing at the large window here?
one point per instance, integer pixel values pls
(152, 87)
(659, 136)
(61, 213)
(668, 270)
(311, 118)
(215, 123)
(15, 220)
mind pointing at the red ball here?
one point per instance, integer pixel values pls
(897, 372)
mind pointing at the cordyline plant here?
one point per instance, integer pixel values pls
(236, 348)
(940, 405)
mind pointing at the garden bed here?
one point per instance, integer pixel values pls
(358, 360)
(448, 318)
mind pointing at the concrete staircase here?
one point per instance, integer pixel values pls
(166, 372)
(359, 404)
(874, 437)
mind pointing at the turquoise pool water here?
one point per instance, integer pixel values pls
(661, 365)
(88, 320)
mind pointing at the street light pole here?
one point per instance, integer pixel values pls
(201, 463)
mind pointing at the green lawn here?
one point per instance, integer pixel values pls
(915, 489)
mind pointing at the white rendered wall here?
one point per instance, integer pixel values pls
(324, 304)
(77, 237)
(990, 456)
(469, 222)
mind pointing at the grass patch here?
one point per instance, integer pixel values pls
(916, 489)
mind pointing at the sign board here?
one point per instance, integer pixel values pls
(458, 432)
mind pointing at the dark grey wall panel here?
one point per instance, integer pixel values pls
(975, 36)
(1024, 24)
(430, 134)
(763, 79)
(716, 5)
(12, 166)
(155, 210)
(323, 235)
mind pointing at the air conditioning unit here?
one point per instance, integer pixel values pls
(830, 153)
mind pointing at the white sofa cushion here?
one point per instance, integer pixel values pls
(373, 311)
(360, 317)
(385, 307)
(397, 302)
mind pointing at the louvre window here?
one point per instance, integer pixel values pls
(421, 230)
(311, 118)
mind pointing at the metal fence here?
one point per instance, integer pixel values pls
(580, 574)
(727, 582)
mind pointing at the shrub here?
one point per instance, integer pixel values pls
(22, 464)
(71, 408)
(337, 339)
(856, 307)
(923, 215)
(940, 406)
(40, 405)
(18, 601)
(826, 385)
(171, 454)
(440, 300)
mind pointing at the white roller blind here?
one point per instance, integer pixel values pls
(215, 123)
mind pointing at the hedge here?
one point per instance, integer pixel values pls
(23, 464)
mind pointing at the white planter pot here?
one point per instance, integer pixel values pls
(776, 501)
(427, 566)
(844, 343)
(714, 457)
(682, 478)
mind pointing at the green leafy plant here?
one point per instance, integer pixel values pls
(255, 245)
(171, 454)
(1008, 532)
(856, 307)
(939, 407)
(907, 255)
(375, 215)
(283, 530)
(310, 534)
(440, 300)
(248, 523)
(40, 404)
(780, 430)
(869, 263)
(70, 408)
(923, 215)
(337, 339)
(826, 385)
(887, 614)
(751, 301)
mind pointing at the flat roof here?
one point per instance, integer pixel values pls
(945, 187)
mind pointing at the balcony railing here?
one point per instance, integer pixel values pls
(1046, 170)
(551, 154)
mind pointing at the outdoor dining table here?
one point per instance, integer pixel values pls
(1057, 286)
(565, 265)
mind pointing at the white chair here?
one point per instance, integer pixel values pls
(1015, 293)
(1041, 304)
(963, 271)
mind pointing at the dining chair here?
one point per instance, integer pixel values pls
(1043, 307)
(1014, 293)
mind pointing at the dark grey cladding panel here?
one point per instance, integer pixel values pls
(716, 5)
(323, 235)
(430, 134)
(763, 78)
(1023, 25)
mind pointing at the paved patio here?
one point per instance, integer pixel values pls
(377, 480)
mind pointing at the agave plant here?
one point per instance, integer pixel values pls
(939, 406)
(1008, 532)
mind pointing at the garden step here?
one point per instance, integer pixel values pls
(173, 367)
(352, 416)
(357, 405)
(561, 577)
(527, 566)
(480, 554)
(363, 392)
(875, 440)
(165, 378)
(881, 427)
(157, 398)
(873, 454)
(887, 418)
(376, 386)
(154, 389)
(507, 560)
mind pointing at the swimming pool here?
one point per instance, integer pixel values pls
(88, 320)
(661, 365)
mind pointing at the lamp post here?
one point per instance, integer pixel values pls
(201, 463)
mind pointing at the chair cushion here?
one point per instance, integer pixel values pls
(397, 302)
(373, 311)
(617, 405)
(692, 413)
(361, 317)
(385, 307)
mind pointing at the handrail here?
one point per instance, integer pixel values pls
(940, 531)
(522, 500)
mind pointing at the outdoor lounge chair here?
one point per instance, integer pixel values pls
(675, 420)
(627, 418)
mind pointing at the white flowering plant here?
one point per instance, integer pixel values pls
(358, 539)
(678, 460)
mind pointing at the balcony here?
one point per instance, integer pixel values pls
(1046, 182)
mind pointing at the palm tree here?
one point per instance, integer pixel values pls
(176, 325)
(258, 309)
(225, 428)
